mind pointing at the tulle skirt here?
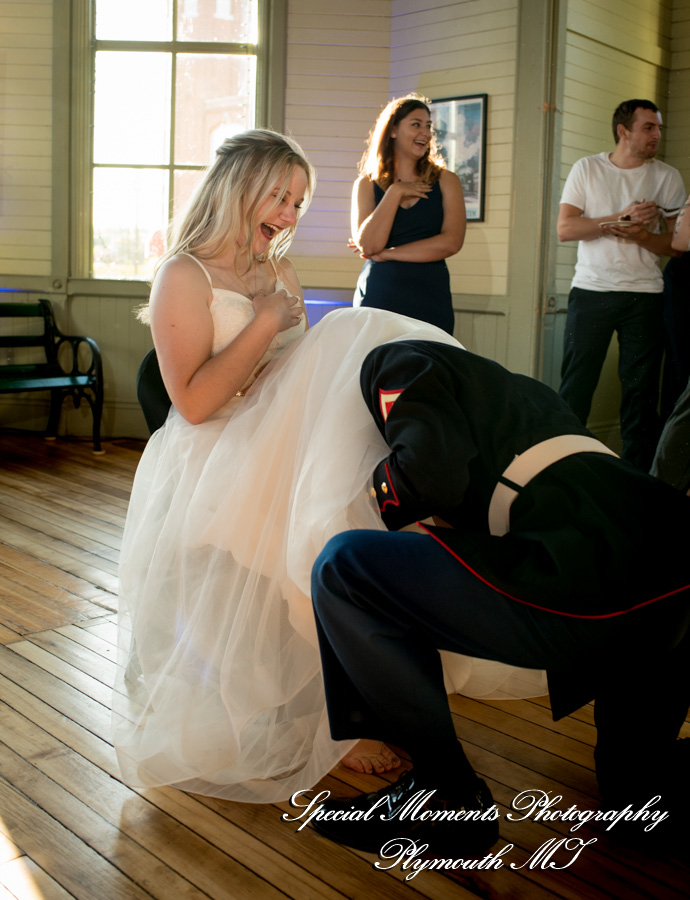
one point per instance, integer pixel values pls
(219, 687)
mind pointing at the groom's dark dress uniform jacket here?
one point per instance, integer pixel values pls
(590, 536)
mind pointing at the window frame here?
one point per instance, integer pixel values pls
(73, 155)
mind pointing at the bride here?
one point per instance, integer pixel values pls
(266, 453)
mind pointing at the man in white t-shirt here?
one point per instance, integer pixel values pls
(621, 209)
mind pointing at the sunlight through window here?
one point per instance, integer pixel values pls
(173, 79)
(16, 871)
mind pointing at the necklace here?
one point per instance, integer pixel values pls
(254, 269)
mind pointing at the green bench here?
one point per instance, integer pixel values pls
(70, 365)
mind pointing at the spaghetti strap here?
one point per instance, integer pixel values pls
(280, 284)
(206, 272)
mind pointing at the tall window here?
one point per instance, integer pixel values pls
(172, 80)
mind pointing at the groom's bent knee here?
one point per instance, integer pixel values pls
(356, 567)
(336, 567)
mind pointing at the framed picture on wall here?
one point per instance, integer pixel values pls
(460, 125)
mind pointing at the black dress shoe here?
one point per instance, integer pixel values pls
(408, 810)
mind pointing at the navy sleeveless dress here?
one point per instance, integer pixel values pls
(418, 290)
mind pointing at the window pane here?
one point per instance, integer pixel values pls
(231, 21)
(133, 20)
(130, 217)
(132, 108)
(214, 100)
(185, 183)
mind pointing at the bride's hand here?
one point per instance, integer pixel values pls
(283, 307)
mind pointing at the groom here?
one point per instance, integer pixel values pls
(547, 551)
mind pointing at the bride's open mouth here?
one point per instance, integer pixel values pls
(269, 231)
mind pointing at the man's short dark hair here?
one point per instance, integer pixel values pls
(625, 113)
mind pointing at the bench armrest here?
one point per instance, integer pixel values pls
(74, 362)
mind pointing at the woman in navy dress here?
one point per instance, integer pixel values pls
(408, 217)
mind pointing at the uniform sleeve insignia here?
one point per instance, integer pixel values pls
(386, 401)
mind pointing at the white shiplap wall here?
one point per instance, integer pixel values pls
(25, 137)
(338, 61)
(678, 136)
(450, 48)
(345, 63)
(615, 50)
(611, 56)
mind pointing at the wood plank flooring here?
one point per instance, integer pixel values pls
(70, 828)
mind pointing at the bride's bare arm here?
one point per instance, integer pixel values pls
(198, 383)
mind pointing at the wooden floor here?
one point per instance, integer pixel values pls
(70, 828)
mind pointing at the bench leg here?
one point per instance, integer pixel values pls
(56, 398)
(97, 410)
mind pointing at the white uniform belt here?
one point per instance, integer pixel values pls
(527, 465)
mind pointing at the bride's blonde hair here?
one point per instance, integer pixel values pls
(223, 211)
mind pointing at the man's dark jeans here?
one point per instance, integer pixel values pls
(593, 316)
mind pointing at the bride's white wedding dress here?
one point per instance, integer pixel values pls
(219, 686)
